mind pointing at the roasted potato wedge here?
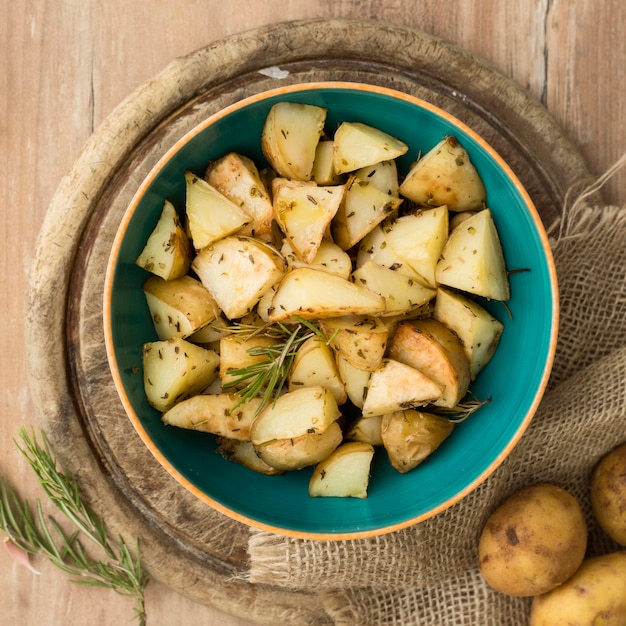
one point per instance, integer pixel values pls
(358, 145)
(304, 410)
(304, 210)
(323, 166)
(430, 347)
(290, 136)
(382, 175)
(210, 214)
(315, 294)
(303, 451)
(472, 259)
(176, 369)
(345, 473)
(394, 386)
(363, 208)
(236, 176)
(400, 293)
(445, 175)
(168, 251)
(418, 239)
(214, 413)
(236, 352)
(329, 257)
(366, 430)
(360, 339)
(355, 380)
(411, 436)
(179, 307)
(478, 330)
(244, 453)
(314, 365)
(222, 266)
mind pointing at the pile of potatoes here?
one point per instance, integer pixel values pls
(535, 545)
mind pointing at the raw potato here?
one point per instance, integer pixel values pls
(168, 251)
(358, 145)
(445, 175)
(303, 210)
(223, 266)
(608, 494)
(305, 410)
(214, 413)
(290, 136)
(237, 177)
(430, 347)
(394, 386)
(315, 294)
(411, 436)
(303, 451)
(359, 339)
(594, 595)
(418, 239)
(363, 208)
(478, 330)
(345, 473)
(533, 542)
(176, 369)
(472, 259)
(179, 307)
(210, 214)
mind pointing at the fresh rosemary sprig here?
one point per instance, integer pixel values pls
(267, 378)
(32, 533)
(460, 412)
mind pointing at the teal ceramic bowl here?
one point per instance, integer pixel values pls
(515, 379)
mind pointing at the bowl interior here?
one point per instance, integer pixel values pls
(514, 380)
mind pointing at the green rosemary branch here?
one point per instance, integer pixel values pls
(31, 532)
(267, 378)
(460, 412)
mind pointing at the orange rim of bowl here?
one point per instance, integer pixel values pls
(108, 290)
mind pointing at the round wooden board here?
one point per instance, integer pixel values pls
(190, 547)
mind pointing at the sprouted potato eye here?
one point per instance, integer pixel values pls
(326, 307)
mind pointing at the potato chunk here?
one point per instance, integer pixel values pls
(237, 271)
(214, 413)
(176, 369)
(358, 145)
(445, 175)
(472, 259)
(168, 251)
(179, 307)
(363, 208)
(290, 136)
(314, 294)
(478, 330)
(303, 211)
(427, 345)
(305, 410)
(329, 257)
(410, 436)
(345, 473)
(418, 239)
(237, 177)
(394, 386)
(298, 452)
(210, 214)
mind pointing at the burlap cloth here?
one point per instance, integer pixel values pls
(427, 574)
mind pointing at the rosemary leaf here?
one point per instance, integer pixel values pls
(34, 533)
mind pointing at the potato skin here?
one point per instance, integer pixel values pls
(595, 594)
(608, 494)
(533, 542)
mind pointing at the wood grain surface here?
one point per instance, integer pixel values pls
(69, 64)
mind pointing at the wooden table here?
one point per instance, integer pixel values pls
(67, 64)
